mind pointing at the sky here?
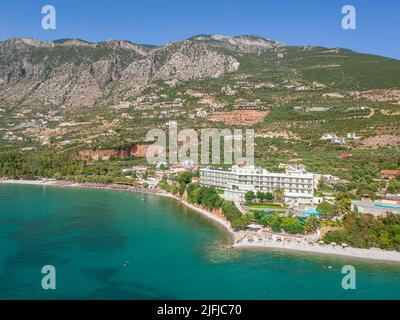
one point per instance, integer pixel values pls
(293, 22)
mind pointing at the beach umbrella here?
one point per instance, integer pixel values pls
(333, 243)
(344, 245)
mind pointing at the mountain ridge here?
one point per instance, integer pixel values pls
(194, 37)
(55, 87)
(98, 64)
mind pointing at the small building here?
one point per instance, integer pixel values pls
(195, 180)
(344, 155)
(392, 197)
(334, 182)
(159, 174)
(385, 174)
(352, 135)
(139, 168)
(329, 136)
(339, 140)
(178, 170)
(151, 182)
(246, 105)
(295, 169)
(188, 165)
(389, 173)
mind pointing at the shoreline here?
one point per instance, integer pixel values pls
(372, 254)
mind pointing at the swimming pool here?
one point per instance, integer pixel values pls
(310, 211)
(380, 205)
(268, 212)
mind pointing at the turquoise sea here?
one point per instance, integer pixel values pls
(114, 245)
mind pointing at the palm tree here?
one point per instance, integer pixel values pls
(342, 207)
(278, 194)
(311, 224)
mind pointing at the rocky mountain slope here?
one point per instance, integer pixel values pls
(79, 73)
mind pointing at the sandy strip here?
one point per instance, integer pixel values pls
(30, 182)
(370, 254)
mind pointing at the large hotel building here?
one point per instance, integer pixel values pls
(298, 187)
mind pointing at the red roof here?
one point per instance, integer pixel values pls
(344, 155)
(389, 172)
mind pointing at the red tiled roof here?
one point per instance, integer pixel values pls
(390, 172)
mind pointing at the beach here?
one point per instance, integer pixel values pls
(368, 254)
(241, 239)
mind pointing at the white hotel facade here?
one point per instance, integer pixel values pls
(298, 187)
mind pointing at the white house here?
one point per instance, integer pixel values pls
(329, 136)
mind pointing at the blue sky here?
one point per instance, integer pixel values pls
(294, 22)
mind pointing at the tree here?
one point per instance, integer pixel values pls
(209, 198)
(394, 186)
(185, 177)
(230, 211)
(193, 192)
(260, 196)
(274, 221)
(249, 196)
(182, 187)
(57, 176)
(163, 184)
(343, 206)
(326, 210)
(269, 196)
(242, 222)
(366, 231)
(213, 202)
(278, 194)
(292, 225)
(174, 188)
(335, 236)
(312, 224)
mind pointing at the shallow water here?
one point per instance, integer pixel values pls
(113, 245)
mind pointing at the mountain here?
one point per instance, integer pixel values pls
(74, 72)
(72, 94)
